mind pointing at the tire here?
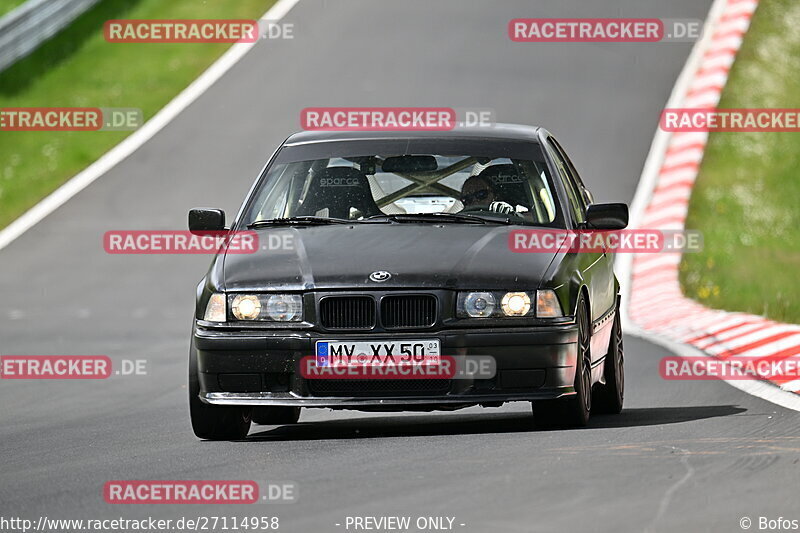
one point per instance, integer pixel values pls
(575, 410)
(276, 416)
(214, 422)
(610, 397)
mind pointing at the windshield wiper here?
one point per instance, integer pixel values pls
(454, 218)
(298, 221)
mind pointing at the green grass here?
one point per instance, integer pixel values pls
(8, 5)
(79, 68)
(747, 197)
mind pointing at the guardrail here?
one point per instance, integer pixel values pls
(26, 27)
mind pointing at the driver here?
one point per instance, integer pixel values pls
(478, 193)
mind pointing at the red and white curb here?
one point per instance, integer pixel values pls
(655, 306)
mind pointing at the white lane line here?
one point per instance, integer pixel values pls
(131, 143)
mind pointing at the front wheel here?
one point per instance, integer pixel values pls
(573, 411)
(611, 395)
(214, 422)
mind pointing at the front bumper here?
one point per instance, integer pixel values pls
(260, 368)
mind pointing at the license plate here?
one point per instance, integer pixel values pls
(378, 353)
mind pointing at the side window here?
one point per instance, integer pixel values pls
(575, 197)
(584, 195)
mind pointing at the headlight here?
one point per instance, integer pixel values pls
(284, 307)
(547, 305)
(485, 304)
(246, 307)
(267, 307)
(215, 309)
(479, 304)
(516, 303)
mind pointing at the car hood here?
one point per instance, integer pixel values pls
(424, 256)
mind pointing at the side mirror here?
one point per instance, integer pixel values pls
(607, 216)
(206, 220)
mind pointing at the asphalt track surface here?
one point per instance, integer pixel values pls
(683, 456)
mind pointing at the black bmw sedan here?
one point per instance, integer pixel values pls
(398, 248)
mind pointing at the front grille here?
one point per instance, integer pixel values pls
(347, 312)
(372, 387)
(409, 311)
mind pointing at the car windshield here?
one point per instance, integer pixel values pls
(368, 187)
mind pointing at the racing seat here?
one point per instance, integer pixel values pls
(509, 186)
(335, 191)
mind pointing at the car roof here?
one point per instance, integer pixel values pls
(515, 132)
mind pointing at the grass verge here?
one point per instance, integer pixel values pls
(79, 68)
(8, 5)
(747, 197)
